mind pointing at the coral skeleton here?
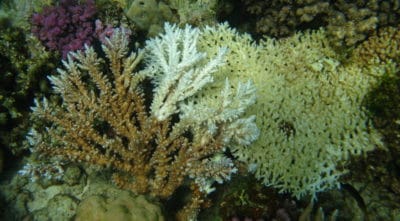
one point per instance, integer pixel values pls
(153, 143)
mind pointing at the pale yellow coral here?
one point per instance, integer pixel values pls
(309, 108)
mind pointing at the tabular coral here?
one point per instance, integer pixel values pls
(309, 108)
(66, 27)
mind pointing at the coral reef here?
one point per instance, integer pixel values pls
(195, 12)
(281, 18)
(65, 27)
(309, 104)
(244, 198)
(78, 194)
(113, 16)
(22, 199)
(319, 216)
(123, 207)
(104, 120)
(352, 22)
(378, 172)
(17, 13)
(380, 48)
(149, 15)
(136, 130)
(376, 177)
(347, 23)
(23, 62)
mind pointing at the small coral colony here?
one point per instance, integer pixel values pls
(182, 103)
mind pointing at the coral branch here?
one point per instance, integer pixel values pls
(105, 120)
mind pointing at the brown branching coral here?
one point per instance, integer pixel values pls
(281, 17)
(109, 137)
(105, 120)
(382, 47)
(347, 22)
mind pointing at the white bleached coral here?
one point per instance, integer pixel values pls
(104, 118)
(179, 70)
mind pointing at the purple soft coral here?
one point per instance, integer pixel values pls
(66, 27)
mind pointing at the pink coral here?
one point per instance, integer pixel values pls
(65, 27)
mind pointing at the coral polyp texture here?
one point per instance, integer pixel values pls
(309, 107)
(153, 142)
(347, 22)
(65, 27)
(382, 47)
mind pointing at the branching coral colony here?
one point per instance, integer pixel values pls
(104, 119)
